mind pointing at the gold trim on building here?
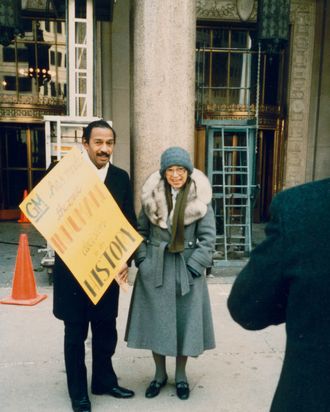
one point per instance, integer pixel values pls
(29, 108)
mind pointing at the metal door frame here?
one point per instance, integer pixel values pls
(249, 149)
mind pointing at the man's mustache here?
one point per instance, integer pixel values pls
(103, 154)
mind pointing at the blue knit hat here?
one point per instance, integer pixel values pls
(175, 156)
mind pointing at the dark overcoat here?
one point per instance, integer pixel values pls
(288, 280)
(70, 301)
(170, 310)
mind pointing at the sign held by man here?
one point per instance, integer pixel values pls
(74, 211)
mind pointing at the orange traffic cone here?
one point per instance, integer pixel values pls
(23, 218)
(24, 291)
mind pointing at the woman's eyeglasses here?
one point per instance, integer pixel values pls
(179, 171)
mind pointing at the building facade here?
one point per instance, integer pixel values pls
(189, 73)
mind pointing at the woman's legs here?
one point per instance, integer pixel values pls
(180, 370)
(182, 386)
(160, 363)
(160, 378)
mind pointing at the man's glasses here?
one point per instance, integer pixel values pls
(179, 171)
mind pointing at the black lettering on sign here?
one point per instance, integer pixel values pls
(89, 287)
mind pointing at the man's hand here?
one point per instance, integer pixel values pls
(122, 276)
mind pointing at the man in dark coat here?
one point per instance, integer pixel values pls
(73, 306)
(288, 280)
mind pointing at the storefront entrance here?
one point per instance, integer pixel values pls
(22, 164)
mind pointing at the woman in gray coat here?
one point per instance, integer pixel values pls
(170, 311)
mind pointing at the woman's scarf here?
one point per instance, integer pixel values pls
(177, 239)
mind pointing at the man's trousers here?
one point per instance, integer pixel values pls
(104, 340)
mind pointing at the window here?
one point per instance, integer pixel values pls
(225, 61)
(9, 83)
(29, 63)
(24, 84)
(59, 27)
(9, 54)
(52, 89)
(52, 57)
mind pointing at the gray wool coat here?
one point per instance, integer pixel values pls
(170, 310)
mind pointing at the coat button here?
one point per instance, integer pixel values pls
(190, 244)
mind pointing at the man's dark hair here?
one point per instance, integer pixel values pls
(97, 123)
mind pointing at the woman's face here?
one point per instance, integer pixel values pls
(176, 176)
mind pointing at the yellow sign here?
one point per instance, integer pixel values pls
(77, 215)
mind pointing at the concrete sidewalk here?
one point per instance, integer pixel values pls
(239, 375)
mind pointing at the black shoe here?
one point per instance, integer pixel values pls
(182, 390)
(81, 405)
(115, 391)
(154, 388)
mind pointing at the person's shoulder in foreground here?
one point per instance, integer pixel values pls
(293, 252)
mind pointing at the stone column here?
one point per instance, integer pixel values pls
(302, 15)
(163, 76)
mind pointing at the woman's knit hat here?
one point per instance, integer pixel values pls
(175, 156)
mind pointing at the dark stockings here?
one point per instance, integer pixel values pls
(180, 368)
(160, 363)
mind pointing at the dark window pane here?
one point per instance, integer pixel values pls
(219, 69)
(271, 80)
(217, 183)
(9, 83)
(52, 89)
(45, 88)
(22, 55)
(25, 84)
(8, 54)
(206, 64)
(235, 139)
(238, 39)
(59, 27)
(220, 38)
(254, 66)
(217, 141)
(236, 62)
(3, 155)
(15, 183)
(16, 148)
(81, 9)
(218, 212)
(37, 175)
(203, 38)
(38, 148)
(27, 25)
(52, 57)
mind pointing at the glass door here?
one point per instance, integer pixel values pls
(231, 170)
(22, 162)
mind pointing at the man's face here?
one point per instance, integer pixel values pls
(100, 146)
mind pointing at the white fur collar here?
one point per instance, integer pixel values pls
(154, 201)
